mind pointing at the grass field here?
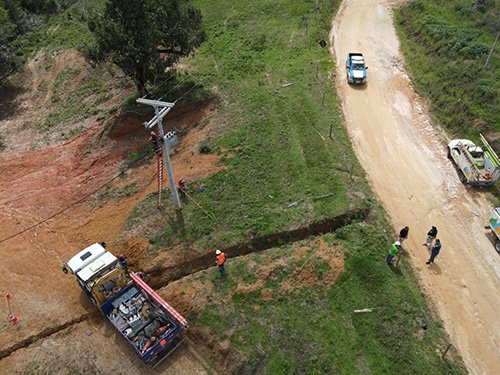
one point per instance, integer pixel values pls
(270, 140)
(275, 83)
(312, 328)
(446, 44)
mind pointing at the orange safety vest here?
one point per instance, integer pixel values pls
(220, 259)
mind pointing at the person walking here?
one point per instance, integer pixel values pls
(431, 236)
(392, 252)
(434, 252)
(220, 259)
(403, 234)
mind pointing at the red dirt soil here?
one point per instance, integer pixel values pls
(36, 183)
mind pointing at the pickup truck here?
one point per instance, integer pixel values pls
(478, 165)
(494, 223)
(152, 327)
(356, 68)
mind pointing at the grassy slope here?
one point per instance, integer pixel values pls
(272, 141)
(314, 330)
(271, 145)
(446, 44)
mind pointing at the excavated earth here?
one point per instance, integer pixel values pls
(59, 329)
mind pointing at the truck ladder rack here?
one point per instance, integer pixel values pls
(471, 160)
(490, 152)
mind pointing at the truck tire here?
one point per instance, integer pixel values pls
(448, 154)
(462, 177)
(497, 246)
(347, 77)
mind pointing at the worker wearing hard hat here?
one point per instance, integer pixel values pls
(220, 259)
(392, 252)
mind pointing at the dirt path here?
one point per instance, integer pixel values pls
(404, 157)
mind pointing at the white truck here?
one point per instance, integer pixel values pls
(152, 327)
(494, 223)
(478, 165)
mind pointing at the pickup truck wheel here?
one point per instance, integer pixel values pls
(497, 246)
(448, 154)
(463, 179)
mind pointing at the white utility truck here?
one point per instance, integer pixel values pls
(478, 165)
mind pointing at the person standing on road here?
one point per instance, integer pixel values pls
(392, 252)
(403, 234)
(434, 252)
(220, 259)
(431, 235)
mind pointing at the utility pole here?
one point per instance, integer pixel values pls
(166, 142)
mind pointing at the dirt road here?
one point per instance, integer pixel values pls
(403, 154)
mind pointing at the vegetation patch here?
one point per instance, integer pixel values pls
(446, 46)
(276, 113)
(281, 318)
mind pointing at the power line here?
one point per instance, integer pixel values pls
(73, 204)
(97, 189)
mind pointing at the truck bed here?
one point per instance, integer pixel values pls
(145, 320)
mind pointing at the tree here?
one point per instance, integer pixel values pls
(145, 37)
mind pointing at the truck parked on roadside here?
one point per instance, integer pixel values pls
(478, 165)
(494, 223)
(152, 327)
(356, 68)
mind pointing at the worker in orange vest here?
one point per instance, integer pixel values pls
(220, 259)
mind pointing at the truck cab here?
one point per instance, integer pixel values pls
(98, 272)
(356, 69)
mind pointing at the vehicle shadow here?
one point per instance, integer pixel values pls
(359, 87)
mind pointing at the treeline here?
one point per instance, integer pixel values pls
(18, 17)
(446, 45)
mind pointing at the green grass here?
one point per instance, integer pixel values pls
(314, 330)
(74, 101)
(445, 44)
(270, 135)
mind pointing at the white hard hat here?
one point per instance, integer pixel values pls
(397, 243)
(217, 252)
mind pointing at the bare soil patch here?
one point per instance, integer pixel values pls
(39, 180)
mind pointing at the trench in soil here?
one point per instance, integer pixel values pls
(162, 276)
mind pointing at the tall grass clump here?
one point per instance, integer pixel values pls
(446, 44)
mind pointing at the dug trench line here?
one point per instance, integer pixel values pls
(161, 276)
(43, 334)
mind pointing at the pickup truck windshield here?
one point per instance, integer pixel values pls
(358, 66)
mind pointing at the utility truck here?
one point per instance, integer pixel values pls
(494, 223)
(478, 165)
(152, 327)
(356, 68)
